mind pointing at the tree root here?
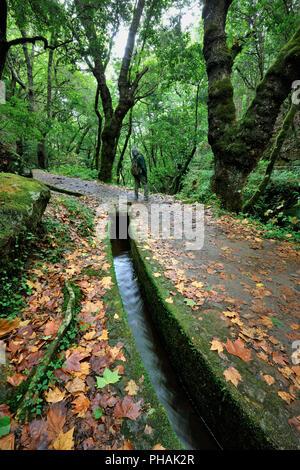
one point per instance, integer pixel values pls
(43, 366)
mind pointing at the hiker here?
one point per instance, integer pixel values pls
(139, 171)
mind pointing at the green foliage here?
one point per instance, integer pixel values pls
(108, 377)
(4, 425)
(98, 413)
(75, 171)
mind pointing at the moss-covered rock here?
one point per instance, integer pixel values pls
(22, 204)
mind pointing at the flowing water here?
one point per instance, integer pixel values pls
(189, 427)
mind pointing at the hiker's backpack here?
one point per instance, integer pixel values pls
(135, 169)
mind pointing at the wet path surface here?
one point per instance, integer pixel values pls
(188, 426)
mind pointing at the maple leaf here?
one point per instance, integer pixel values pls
(296, 422)
(51, 328)
(269, 379)
(279, 358)
(81, 405)
(64, 441)
(16, 379)
(238, 349)
(108, 377)
(287, 397)
(72, 363)
(216, 345)
(6, 326)
(106, 282)
(55, 395)
(56, 418)
(131, 388)
(35, 435)
(7, 442)
(76, 386)
(158, 447)
(128, 408)
(232, 375)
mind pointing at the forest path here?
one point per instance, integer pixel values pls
(251, 281)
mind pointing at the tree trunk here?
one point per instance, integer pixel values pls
(288, 120)
(120, 162)
(238, 146)
(42, 155)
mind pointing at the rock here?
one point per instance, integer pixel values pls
(22, 204)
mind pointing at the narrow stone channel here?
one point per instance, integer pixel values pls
(189, 427)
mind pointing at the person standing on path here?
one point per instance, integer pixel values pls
(139, 171)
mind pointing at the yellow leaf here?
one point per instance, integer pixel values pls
(64, 441)
(216, 345)
(104, 336)
(131, 388)
(169, 300)
(158, 447)
(156, 274)
(286, 397)
(55, 395)
(232, 375)
(269, 379)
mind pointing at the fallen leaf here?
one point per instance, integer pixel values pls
(16, 379)
(6, 326)
(128, 408)
(269, 379)
(169, 300)
(232, 375)
(286, 397)
(64, 441)
(158, 447)
(148, 430)
(55, 395)
(238, 349)
(131, 388)
(81, 405)
(7, 442)
(296, 422)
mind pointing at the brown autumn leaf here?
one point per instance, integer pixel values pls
(55, 395)
(269, 379)
(238, 349)
(131, 388)
(72, 363)
(7, 442)
(35, 435)
(56, 418)
(16, 379)
(64, 441)
(127, 445)
(6, 326)
(81, 405)
(232, 375)
(294, 326)
(51, 328)
(296, 422)
(158, 447)
(279, 358)
(128, 408)
(287, 397)
(76, 386)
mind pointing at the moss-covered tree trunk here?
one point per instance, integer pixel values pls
(238, 145)
(287, 122)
